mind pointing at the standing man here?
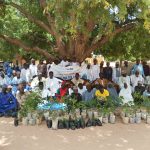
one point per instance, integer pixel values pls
(126, 68)
(95, 69)
(33, 68)
(116, 73)
(138, 66)
(108, 72)
(146, 69)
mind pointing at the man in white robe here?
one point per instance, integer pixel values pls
(36, 80)
(126, 94)
(33, 68)
(17, 79)
(86, 73)
(95, 70)
(124, 79)
(53, 84)
(81, 89)
(116, 73)
(26, 73)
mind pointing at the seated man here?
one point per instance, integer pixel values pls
(81, 88)
(44, 93)
(88, 95)
(123, 79)
(112, 91)
(15, 82)
(17, 79)
(36, 80)
(77, 80)
(101, 93)
(63, 91)
(8, 102)
(139, 88)
(126, 94)
(135, 78)
(52, 84)
(21, 94)
(101, 81)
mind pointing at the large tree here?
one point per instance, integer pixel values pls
(68, 29)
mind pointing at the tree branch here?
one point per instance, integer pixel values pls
(20, 44)
(31, 18)
(105, 39)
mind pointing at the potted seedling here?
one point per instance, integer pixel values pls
(112, 118)
(55, 118)
(146, 104)
(126, 111)
(105, 115)
(39, 117)
(46, 114)
(132, 114)
(29, 107)
(66, 120)
(23, 115)
(143, 114)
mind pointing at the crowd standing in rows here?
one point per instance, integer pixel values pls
(93, 81)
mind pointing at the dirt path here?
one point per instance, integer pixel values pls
(108, 137)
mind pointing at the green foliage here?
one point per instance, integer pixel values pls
(30, 104)
(92, 19)
(128, 46)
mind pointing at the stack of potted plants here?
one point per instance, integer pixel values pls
(28, 112)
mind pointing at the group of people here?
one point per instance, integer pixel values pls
(93, 81)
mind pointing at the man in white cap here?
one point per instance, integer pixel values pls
(123, 79)
(52, 84)
(126, 94)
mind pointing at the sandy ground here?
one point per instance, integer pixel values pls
(109, 137)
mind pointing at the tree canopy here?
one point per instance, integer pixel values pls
(73, 29)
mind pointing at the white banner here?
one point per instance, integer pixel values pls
(65, 72)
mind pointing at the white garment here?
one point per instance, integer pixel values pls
(114, 77)
(46, 93)
(74, 64)
(53, 65)
(88, 73)
(70, 90)
(126, 95)
(81, 91)
(53, 85)
(64, 63)
(2, 81)
(33, 69)
(147, 80)
(26, 74)
(95, 72)
(35, 82)
(123, 80)
(135, 79)
(48, 69)
(16, 80)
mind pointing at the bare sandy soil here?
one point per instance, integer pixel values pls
(108, 137)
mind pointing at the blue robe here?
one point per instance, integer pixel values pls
(7, 102)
